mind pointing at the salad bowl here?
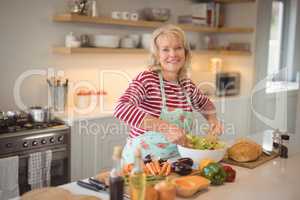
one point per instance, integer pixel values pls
(198, 155)
(200, 148)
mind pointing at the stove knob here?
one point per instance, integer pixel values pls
(25, 144)
(60, 138)
(8, 145)
(34, 143)
(43, 141)
(51, 140)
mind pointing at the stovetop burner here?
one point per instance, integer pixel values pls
(29, 125)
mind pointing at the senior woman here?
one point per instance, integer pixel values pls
(159, 102)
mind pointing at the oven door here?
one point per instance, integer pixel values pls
(59, 169)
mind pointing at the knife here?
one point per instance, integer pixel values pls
(88, 186)
(97, 186)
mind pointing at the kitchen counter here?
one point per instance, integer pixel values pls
(71, 114)
(277, 179)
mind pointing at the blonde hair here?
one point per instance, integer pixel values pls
(154, 64)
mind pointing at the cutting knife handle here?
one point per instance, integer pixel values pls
(87, 186)
(100, 185)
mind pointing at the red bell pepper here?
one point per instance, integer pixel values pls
(230, 173)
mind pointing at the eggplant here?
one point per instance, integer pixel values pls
(187, 161)
(183, 169)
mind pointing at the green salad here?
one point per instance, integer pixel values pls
(198, 142)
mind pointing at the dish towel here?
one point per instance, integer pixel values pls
(39, 167)
(9, 177)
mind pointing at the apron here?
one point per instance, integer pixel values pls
(155, 143)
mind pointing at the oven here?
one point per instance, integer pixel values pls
(23, 143)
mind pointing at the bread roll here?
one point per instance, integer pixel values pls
(245, 150)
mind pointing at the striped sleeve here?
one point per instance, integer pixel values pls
(199, 101)
(128, 106)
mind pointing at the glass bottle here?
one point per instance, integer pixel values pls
(137, 179)
(116, 181)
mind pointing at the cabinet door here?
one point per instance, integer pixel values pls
(76, 152)
(92, 142)
(114, 132)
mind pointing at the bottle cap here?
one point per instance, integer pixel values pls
(117, 153)
(285, 137)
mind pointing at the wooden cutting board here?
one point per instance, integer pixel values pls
(49, 193)
(251, 165)
(54, 193)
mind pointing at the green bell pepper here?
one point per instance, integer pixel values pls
(215, 173)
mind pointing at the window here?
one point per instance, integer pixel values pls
(275, 41)
(280, 71)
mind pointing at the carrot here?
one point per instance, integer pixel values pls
(163, 169)
(168, 171)
(153, 167)
(157, 166)
(148, 165)
(145, 169)
(127, 168)
(130, 167)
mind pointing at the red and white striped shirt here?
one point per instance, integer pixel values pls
(143, 96)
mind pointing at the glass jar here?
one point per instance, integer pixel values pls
(283, 150)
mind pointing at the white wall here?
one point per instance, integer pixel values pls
(27, 34)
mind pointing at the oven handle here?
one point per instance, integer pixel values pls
(53, 151)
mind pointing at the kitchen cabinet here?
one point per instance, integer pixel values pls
(92, 142)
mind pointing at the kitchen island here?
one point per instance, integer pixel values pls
(276, 179)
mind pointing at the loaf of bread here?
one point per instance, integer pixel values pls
(244, 150)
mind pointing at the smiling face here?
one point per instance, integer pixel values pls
(171, 53)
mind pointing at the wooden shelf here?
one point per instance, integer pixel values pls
(94, 50)
(65, 50)
(223, 52)
(234, 1)
(145, 24)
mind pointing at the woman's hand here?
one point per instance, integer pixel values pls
(175, 135)
(216, 127)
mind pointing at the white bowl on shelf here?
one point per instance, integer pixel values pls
(198, 155)
(128, 42)
(146, 40)
(108, 41)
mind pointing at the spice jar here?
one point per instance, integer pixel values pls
(276, 140)
(283, 151)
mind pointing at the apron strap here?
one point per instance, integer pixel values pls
(162, 90)
(188, 99)
(163, 95)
